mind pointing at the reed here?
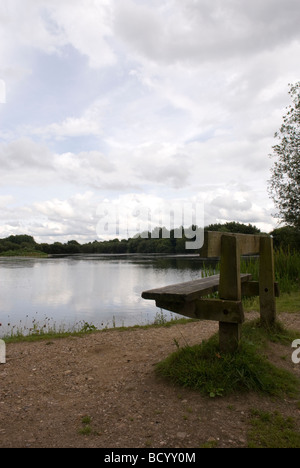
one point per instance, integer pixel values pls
(286, 263)
(287, 269)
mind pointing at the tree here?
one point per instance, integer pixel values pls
(22, 238)
(284, 185)
(286, 237)
(233, 226)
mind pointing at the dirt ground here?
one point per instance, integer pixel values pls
(48, 387)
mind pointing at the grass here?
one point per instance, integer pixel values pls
(286, 302)
(37, 331)
(44, 331)
(289, 302)
(86, 428)
(272, 430)
(286, 265)
(260, 336)
(203, 368)
(24, 253)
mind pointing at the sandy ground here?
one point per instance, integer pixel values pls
(48, 387)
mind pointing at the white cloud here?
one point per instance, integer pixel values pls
(70, 127)
(56, 209)
(90, 123)
(53, 220)
(5, 201)
(48, 26)
(86, 26)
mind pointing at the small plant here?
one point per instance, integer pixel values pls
(88, 328)
(86, 420)
(86, 429)
(160, 318)
(176, 342)
(216, 392)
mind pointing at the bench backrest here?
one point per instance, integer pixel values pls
(229, 247)
(248, 243)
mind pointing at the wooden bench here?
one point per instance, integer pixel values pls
(188, 298)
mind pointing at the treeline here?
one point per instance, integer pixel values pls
(16, 245)
(285, 238)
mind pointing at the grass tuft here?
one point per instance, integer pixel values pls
(205, 369)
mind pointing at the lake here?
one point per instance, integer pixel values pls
(102, 290)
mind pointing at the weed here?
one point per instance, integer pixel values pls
(86, 420)
(86, 428)
(87, 328)
(160, 318)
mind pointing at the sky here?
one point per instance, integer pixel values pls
(124, 105)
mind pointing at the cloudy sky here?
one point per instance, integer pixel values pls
(140, 102)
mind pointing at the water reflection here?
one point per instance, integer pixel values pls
(98, 289)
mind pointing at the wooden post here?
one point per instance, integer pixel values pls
(266, 282)
(230, 289)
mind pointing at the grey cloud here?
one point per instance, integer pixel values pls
(25, 153)
(230, 207)
(169, 170)
(229, 203)
(24, 161)
(207, 30)
(87, 161)
(91, 169)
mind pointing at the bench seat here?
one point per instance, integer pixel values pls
(189, 290)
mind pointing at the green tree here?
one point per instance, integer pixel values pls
(233, 226)
(73, 247)
(286, 237)
(284, 185)
(22, 238)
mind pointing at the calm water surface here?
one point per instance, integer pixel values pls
(103, 290)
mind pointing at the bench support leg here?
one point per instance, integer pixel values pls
(229, 336)
(229, 289)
